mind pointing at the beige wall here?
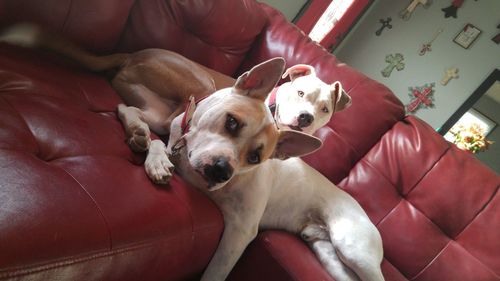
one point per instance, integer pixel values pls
(366, 52)
(290, 8)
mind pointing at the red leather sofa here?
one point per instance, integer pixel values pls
(75, 203)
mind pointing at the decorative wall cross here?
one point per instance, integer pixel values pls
(451, 11)
(427, 46)
(406, 13)
(385, 23)
(395, 61)
(450, 73)
(421, 96)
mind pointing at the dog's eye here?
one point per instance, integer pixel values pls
(325, 109)
(254, 157)
(232, 125)
(300, 93)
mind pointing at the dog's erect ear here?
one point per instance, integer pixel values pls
(340, 98)
(299, 70)
(261, 79)
(293, 143)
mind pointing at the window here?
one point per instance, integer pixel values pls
(330, 17)
(470, 131)
(328, 21)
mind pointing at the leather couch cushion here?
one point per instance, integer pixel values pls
(73, 193)
(93, 24)
(429, 201)
(217, 34)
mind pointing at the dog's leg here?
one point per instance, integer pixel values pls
(155, 111)
(138, 134)
(359, 246)
(329, 259)
(318, 238)
(158, 167)
(235, 239)
(242, 210)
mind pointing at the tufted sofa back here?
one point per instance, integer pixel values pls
(225, 30)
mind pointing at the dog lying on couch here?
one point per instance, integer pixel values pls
(225, 145)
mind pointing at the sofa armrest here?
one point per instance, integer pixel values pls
(280, 38)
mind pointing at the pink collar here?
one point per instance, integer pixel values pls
(188, 113)
(272, 100)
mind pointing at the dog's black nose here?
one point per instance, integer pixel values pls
(305, 119)
(219, 171)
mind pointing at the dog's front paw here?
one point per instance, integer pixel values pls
(158, 167)
(139, 137)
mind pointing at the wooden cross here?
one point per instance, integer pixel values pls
(450, 73)
(406, 13)
(385, 23)
(422, 96)
(395, 61)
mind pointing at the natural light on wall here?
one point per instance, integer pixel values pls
(330, 17)
(470, 132)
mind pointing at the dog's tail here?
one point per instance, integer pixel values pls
(33, 36)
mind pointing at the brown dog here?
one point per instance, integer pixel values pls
(154, 83)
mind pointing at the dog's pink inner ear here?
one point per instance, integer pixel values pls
(298, 70)
(249, 83)
(337, 91)
(340, 98)
(261, 79)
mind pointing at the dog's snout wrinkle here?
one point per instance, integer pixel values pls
(305, 119)
(219, 171)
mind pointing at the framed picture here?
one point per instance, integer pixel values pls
(467, 36)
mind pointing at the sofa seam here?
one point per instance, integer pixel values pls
(478, 213)
(430, 262)
(428, 171)
(101, 213)
(75, 260)
(401, 198)
(14, 109)
(437, 226)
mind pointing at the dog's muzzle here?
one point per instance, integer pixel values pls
(305, 119)
(220, 171)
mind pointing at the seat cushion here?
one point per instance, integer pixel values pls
(435, 206)
(73, 193)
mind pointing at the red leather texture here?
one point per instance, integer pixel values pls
(75, 203)
(94, 24)
(217, 34)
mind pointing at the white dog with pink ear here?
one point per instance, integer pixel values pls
(306, 103)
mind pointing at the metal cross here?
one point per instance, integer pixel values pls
(427, 46)
(385, 23)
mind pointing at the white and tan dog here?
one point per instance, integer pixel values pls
(306, 103)
(268, 194)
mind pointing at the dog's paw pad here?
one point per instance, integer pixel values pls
(140, 139)
(159, 168)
